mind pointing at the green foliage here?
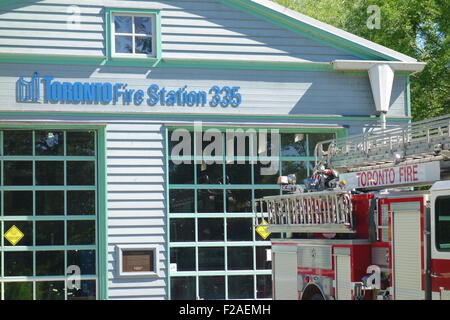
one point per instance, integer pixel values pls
(418, 28)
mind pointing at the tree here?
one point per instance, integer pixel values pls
(418, 28)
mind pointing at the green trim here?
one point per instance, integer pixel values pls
(297, 26)
(166, 204)
(134, 62)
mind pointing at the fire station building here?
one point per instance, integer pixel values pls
(97, 202)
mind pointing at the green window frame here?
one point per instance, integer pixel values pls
(66, 247)
(234, 257)
(442, 223)
(137, 59)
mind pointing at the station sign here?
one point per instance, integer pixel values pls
(402, 175)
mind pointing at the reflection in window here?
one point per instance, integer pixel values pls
(184, 258)
(299, 168)
(239, 229)
(212, 287)
(85, 259)
(314, 138)
(263, 286)
(50, 290)
(210, 201)
(183, 288)
(48, 143)
(18, 290)
(86, 292)
(210, 229)
(240, 258)
(49, 173)
(240, 287)
(18, 263)
(49, 202)
(81, 202)
(17, 143)
(18, 173)
(293, 145)
(133, 34)
(80, 143)
(80, 232)
(181, 201)
(210, 174)
(239, 173)
(18, 203)
(182, 230)
(210, 259)
(49, 233)
(239, 200)
(261, 258)
(50, 263)
(81, 173)
(181, 173)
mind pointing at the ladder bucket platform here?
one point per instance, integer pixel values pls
(322, 212)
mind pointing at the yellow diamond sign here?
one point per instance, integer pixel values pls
(262, 230)
(14, 235)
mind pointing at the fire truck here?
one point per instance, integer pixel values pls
(375, 225)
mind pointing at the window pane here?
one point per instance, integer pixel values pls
(80, 143)
(124, 44)
(210, 229)
(17, 143)
(314, 138)
(293, 145)
(81, 173)
(181, 173)
(212, 288)
(264, 287)
(85, 259)
(240, 258)
(239, 229)
(18, 203)
(183, 288)
(123, 24)
(49, 143)
(80, 232)
(81, 202)
(143, 25)
(267, 173)
(18, 263)
(239, 200)
(49, 173)
(184, 258)
(182, 201)
(49, 263)
(143, 45)
(87, 291)
(18, 290)
(50, 290)
(49, 233)
(239, 173)
(182, 230)
(210, 201)
(443, 223)
(49, 202)
(18, 173)
(240, 287)
(259, 194)
(183, 144)
(261, 259)
(210, 174)
(26, 227)
(210, 259)
(299, 168)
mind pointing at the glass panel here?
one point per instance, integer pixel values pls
(264, 287)
(314, 138)
(239, 142)
(81, 202)
(18, 290)
(18, 173)
(210, 201)
(267, 173)
(212, 288)
(183, 144)
(80, 143)
(26, 227)
(49, 202)
(299, 168)
(259, 194)
(210, 259)
(81, 173)
(181, 173)
(49, 143)
(17, 143)
(18, 203)
(183, 288)
(443, 223)
(87, 291)
(49, 233)
(80, 232)
(293, 145)
(182, 201)
(184, 258)
(210, 174)
(261, 259)
(239, 229)
(240, 287)
(143, 25)
(239, 200)
(123, 24)
(124, 44)
(49, 263)
(240, 258)
(143, 45)
(50, 290)
(85, 259)
(50, 173)
(210, 229)
(18, 263)
(239, 173)
(182, 230)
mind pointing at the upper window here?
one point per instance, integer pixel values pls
(134, 35)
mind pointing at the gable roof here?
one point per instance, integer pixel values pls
(296, 21)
